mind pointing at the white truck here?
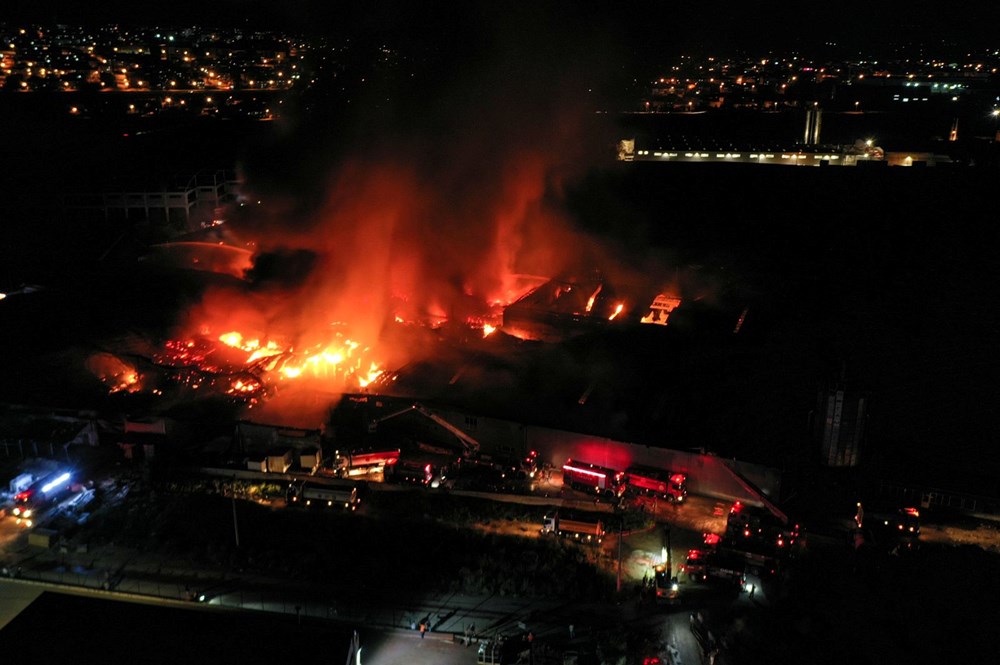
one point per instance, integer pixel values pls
(582, 528)
(328, 494)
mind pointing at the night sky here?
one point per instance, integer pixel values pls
(651, 26)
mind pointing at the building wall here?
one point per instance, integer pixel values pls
(708, 475)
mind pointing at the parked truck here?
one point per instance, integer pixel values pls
(726, 566)
(582, 528)
(666, 586)
(329, 494)
(594, 479)
(904, 522)
(661, 483)
(418, 469)
(751, 527)
(364, 461)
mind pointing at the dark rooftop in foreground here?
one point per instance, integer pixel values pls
(60, 627)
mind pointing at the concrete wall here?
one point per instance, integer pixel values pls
(708, 475)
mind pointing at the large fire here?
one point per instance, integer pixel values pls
(411, 248)
(342, 358)
(250, 369)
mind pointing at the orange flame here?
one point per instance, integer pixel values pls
(340, 359)
(593, 297)
(618, 310)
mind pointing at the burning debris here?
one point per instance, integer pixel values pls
(117, 374)
(252, 368)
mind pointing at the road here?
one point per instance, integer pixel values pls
(394, 647)
(388, 622)
(155, 575)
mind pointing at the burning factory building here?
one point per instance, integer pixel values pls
(445, 249)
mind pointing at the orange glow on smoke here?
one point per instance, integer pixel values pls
(408, 237)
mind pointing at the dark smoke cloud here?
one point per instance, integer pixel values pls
(456, 178)
(430, 197)
(281, 268)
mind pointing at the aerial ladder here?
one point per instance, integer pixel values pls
(757, 494)
(469, 445)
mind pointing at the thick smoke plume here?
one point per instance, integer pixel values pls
(449, 209)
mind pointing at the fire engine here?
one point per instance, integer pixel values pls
(904, 522)
(418, 470)
(750, 525)
(696, 565)
(43, 493)
(657, 482)
(592, 478)
(364, 461)
(667, 588)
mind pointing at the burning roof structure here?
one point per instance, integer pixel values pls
(569, 306)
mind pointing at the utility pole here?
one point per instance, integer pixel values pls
(621, 527)
(666, 535)
(236, 528)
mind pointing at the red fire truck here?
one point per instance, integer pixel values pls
(657, 482)
(28, 503)
(592, 478)
(750, 524)
(364, 461)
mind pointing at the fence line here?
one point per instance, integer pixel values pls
(931, 497)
